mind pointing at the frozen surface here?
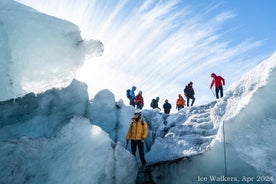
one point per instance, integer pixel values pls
(249, 136)
(38, 51)
(42, 114)
(78, 153)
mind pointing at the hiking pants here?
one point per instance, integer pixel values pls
(140, 144)
(219, 89)
(188, 99)
(139, 106)
(167, 111)
(180, 107)
(132, 102)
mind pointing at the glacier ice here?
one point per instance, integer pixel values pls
(38, 51)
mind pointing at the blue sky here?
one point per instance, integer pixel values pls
(256, 20)
(160, 46)
(253, 19)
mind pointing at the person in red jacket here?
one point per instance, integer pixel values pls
(139, 100)
(218, 81)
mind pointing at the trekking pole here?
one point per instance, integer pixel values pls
(213, 92)
(126, 144)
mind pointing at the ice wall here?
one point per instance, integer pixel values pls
(38, 51)
(46, 137)
(43, 114)
(103, 112)
(78, 153)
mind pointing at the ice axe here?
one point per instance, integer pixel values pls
(212, 92)
(126, 144)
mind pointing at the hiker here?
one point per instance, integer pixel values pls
(137, 133)
(139, 100)
(131, 96)
(180, 102)
(154, 103)
(218, 81)
(189, 93)
(167, 107)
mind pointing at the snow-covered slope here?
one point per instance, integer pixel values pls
(248, 111)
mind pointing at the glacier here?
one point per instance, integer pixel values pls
(52, 49)
(60, 136)
(53, 133)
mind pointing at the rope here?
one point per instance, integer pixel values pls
(224, 149)
(114, 146)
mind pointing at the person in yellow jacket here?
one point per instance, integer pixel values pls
(180, 103)
(137, 133)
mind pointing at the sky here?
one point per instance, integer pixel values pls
(160, 46)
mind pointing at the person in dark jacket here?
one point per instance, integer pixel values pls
(189, 93)
(218, 81)
(139, 100)
(167, 107)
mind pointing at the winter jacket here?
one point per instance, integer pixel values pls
(132, 93)
(167, 106)
(139, 99)
(217, 81)
(189, 91)
(180, 101)
(137, 130)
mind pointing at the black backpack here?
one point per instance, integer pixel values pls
(128, 93)
(153, 103)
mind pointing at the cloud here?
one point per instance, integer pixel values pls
(159, 46)
(225, 16)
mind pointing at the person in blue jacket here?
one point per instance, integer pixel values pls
(132, 96)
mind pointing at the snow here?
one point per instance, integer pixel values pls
(61, 136)
(250, 135)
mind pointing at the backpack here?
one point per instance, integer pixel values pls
(128, 94)
(153, 103)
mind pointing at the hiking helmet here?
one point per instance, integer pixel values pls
(191, 83)
(140, 92)
(157, 98)
(213, 74)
